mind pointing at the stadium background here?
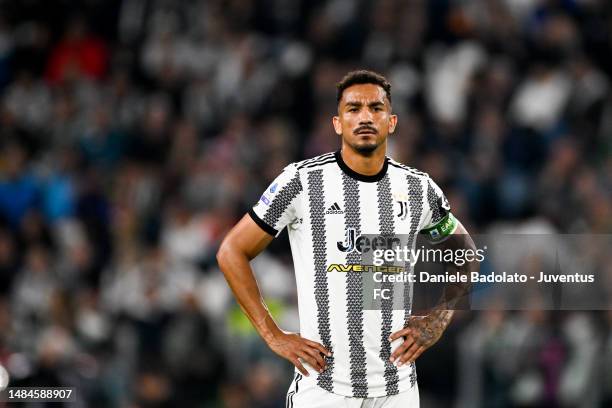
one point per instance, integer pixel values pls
(135, 133)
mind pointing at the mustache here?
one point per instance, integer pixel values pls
(365, 127)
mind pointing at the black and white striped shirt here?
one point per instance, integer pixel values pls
(319, 200)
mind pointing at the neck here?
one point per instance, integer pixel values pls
(368, 165)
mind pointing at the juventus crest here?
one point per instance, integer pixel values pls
(401, 199)
(403, 210)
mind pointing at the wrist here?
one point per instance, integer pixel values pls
(268, 329)
(441, 310)
(443, 316)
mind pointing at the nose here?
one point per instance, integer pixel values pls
(365, 118)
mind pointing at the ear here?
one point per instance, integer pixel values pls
(337, 125)
(392, 123)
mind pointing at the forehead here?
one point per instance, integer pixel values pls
(364, 94)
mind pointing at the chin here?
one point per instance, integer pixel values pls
(365, 148)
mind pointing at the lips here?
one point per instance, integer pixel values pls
(365, 131)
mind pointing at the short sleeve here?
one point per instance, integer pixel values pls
(439, 222)
(277, 205)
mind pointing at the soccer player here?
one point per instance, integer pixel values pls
(344, 355)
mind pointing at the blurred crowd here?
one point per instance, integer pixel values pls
(135, 133)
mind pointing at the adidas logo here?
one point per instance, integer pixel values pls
(334, 209)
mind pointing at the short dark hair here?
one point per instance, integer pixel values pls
(363, 76)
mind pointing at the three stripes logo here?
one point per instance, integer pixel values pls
(334, 209)
(290, 394)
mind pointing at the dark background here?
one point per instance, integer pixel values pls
(134, 134)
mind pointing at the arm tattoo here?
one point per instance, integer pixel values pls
(430, 328)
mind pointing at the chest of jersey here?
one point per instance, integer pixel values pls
(350, 212)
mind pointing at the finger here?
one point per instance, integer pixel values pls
(296, 362)
(317, 356)
(310, 360)
(400, 333)
(401, 349)
(408, 355)
(418, 353)
(319, 347)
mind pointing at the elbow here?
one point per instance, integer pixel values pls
(223, 254)
(229, 253)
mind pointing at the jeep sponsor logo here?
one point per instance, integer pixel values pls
(363, 244)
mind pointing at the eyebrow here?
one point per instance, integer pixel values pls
(371, 104)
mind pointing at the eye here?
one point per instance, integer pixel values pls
(352, 110)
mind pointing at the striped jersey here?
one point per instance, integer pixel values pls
(320, 201)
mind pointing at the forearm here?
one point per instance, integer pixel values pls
(455, 293)
(239, 275)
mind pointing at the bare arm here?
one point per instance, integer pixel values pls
(423, 332)
(243, 243)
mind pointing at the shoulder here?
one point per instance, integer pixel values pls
(314, 162)
(293, 172)
(408, 171)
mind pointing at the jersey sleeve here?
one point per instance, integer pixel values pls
(277, 205)
(439, 222)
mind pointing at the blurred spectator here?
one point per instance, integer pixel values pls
(134, 133)
(78, 54)
(29, 101)
(19, 188)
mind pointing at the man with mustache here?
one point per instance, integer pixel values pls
(358, 357)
